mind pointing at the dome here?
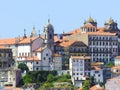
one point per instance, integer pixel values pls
(110, 21)
(48, 24)
(91, 19)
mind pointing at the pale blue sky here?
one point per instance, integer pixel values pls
(65, 15)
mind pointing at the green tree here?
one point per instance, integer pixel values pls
(27, 79)
(50, 78)
(110, 64)
(86, 85)
(23, 67)
(92, 81)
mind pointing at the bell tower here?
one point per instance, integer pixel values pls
(49, 35)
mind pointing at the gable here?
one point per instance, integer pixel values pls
(37, 43)
(78, 44)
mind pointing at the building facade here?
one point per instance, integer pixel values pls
(79, 69)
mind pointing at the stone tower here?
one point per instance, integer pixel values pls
(49, 35)
(111, 25)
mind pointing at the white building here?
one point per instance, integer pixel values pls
(115, 72)
(97, 73)
(117, 61)
(79, 69)
(41, 60)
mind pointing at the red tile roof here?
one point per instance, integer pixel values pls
(67, 43)
(27, 40)
(117, 57)
(96, 87)
(3, 47)
(102, 33)
(8, 41)
(56, 55)
(11, 88)
(96, 68)
(116, 67)
(81, 57)
(40, 49)
(33, 58)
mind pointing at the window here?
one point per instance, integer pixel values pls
(73, 73)
(37, 68)
(77, 73)
(19, 54)
(22, 54)
(37, 62)
(25, 54)
(77, 78)
(46, 54)
(28, 54)
(44, 58)
(96, 71)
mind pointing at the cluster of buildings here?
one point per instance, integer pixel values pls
(82, 53)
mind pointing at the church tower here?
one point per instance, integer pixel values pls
(49, 35)
(111, 25)
(90, 25)
(91, 21)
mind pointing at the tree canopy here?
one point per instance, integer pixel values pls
(23, 67)
(110, 64)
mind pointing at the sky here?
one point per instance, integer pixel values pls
(64, 15)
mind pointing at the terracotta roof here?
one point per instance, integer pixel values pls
(81, 57)
(96, 87)
(11, 88)
(40, 49)
(56, 38)
(12, 41)
(116, 67)
(27, 40)
(102, 29)
(96, 68)
(29, 58)
(56, 55)
(3, 47)
(8, 41)
(102, 33)
(34, 58)
(67, 43)
(97, 63)
(117, 57)
(74, 31)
